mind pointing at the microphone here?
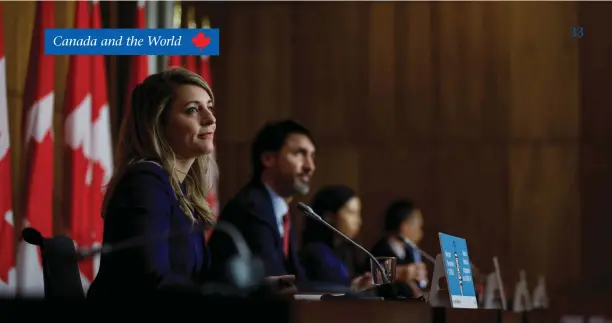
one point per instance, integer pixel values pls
(307, 210)
(422, 283)
(417, 249)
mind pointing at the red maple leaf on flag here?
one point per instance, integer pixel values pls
(201, 41)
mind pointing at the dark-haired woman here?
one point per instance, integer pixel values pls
(326, 257)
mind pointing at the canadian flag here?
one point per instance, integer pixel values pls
(174, 60)
(102, 155)
(8, 279)
(139, 64)
(190, 63)
(77, 127)
(38, 111)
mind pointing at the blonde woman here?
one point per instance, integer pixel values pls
(155, 204)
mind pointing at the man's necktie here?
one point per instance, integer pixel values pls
(416, 255)
(286, 231)
(417, 260)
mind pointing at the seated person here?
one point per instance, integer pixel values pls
(155, 211)
(403, 220)
(163, 164)
(282, 156)
(327, 257)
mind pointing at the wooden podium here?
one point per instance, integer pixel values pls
(512, 317)
(227, 310)
(450, 315)
(359, 311)
(457, 315)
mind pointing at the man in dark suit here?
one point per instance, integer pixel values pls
(283, 163)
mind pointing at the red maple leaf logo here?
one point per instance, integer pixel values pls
(200, 41)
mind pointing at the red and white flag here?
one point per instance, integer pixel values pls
(190, 63)
(139, 69)
(77, 127)
(102, 151)
(38, 126)
(173, 61)
(8, 279)
(205, 69)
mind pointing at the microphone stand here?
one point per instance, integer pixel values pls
(388, 290)
(307, 210)
(422, 283)
(419, 250)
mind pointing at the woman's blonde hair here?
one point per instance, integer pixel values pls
(142, 137)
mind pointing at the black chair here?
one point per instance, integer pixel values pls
(62, 279)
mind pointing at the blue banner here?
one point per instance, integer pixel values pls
(458, 271)
(174, 41)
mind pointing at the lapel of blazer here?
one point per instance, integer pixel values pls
(262, 208)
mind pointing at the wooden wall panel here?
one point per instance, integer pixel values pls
(239, 78)
(455, 118)
(272, 62)
(330, 79)
(234, 160)
(380, 108)
(596, 147)
(415, 72)
(544, 141)
(544, 70)
(544, 208)
(471, 194)
(260, 68)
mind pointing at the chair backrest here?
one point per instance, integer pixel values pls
(60, 269)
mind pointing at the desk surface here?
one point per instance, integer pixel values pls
(235, 310)
(357, 311)
(496, 316)
(511, 317)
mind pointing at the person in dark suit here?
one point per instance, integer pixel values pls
(282, 156)
(403, 220)
(155, 211)
(326, 257)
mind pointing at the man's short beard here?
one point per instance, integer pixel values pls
(301, 188)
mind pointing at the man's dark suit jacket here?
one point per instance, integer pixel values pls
(252, 213)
